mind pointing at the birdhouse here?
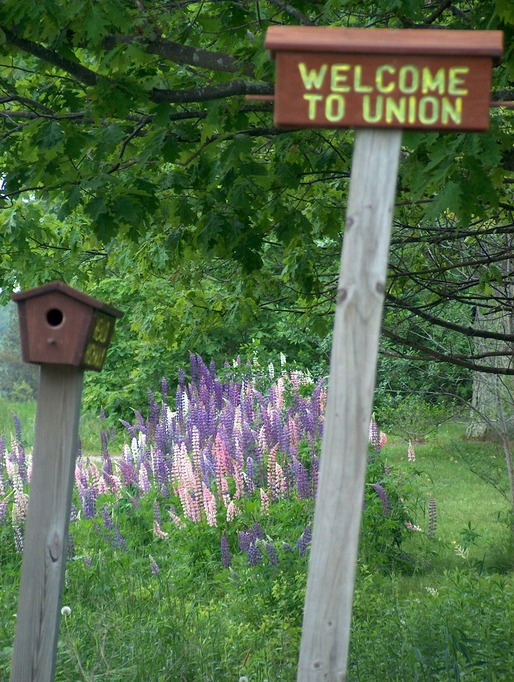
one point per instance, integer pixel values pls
(332, 77)
(62, 326)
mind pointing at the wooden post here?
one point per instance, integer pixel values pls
(359, 303)
(383, 80)
(45, 543)
(65, 331)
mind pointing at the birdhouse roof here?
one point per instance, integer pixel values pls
(65, 289)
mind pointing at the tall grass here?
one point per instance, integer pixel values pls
(160, 588)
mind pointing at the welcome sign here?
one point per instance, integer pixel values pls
(407, 78)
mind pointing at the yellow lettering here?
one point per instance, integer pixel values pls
(102, 328)
(428, 110)
(313, 100)
(312, 78)
(456, 80)
(451, 110)
(339, 78)
(358, 85)
(432, 82)
(334, 108)
(408, 79)
(95, 356)
(372, 116)
(395, 110)
(379, 78)
(412, 109)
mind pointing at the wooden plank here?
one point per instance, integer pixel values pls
(330, 90)
(44, 555)
(359, 303)
(384, 41)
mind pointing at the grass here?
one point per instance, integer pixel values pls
(89, 430)
(471, 511)
(167, 610)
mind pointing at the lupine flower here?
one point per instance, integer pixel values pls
(118, 540)
(413, 527)
(384, 498)
(254, 555)
(154, 566)
(232, 511)
(374, 434)
(158, 531)
(272, 554)
(304, 541)
(411, 455)
(225, 552)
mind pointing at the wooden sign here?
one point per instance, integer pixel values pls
(378, 81)
(384, 78)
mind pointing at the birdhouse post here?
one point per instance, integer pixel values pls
(378, 81)
(66, 332)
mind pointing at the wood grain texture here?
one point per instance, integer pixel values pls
(328, 604)
(46, 532)
(384, 41)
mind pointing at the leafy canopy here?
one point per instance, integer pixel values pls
(134, 167)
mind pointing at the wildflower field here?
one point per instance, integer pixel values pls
(189, 543)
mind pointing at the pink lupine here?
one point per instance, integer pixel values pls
(209, 505)
(158, 531)
(411, 455)
(232, 511)
(264, 502)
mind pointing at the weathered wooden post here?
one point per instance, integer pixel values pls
(378, 81)
(66, 332)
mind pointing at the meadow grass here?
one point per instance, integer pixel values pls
(163, 606)
(468, 480)
(90, 427)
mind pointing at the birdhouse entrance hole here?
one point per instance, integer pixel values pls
(55, 317)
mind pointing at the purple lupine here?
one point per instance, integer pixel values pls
(374, 433)
(254, 554)
(118, 540)
(304, 541)
(21, 461)
(74, 513)
(383, 496)
(245, 540)
(158, 465)
(154, 566)
(225, 551)
(3, 512)
(301, 479)
(132, 430)
(17, 427)
(272, 554)
(258, 531)
(106, 516)
(71, 546)
(153, 410)
(88, 500)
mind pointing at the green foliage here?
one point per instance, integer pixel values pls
(18, 381)
(166, 608)
(136, 170)
(391, 504)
